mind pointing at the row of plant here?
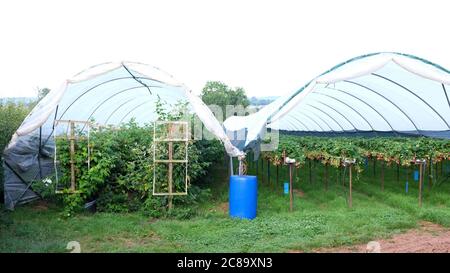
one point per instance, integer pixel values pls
(120, 175)
(334, 151)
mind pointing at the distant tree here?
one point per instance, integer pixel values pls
(42, 92)
(218, 93)
(11, 116)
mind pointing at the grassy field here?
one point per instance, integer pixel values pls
(321, 218)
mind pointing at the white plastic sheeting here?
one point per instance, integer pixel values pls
(113, 93)
(380, 92)
(109, 94)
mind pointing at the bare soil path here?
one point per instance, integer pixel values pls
(428, 238)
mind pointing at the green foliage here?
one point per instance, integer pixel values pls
(333, 151)
(218, 93)
(11, 116)
(42, 92)
(121, 169)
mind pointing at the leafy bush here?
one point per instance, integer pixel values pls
(121, 169)
(11, 116)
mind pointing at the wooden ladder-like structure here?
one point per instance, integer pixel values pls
(170, 137)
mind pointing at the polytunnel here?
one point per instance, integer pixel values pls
(379, 93)
(109, 94)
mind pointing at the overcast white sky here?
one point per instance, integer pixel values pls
(267, 47)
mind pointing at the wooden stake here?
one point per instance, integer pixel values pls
(326, 176)
(291, 190)
(420, 183)
(310, 174)
(268, 172)
(72, 155)
(430, 175)
(170, 174)
(170, 167)
(398, 172)
(374, 166)
(262, 169)
(350, 187)
(382, 175)
(277, 175)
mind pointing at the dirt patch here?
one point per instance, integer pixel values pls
(428, 238)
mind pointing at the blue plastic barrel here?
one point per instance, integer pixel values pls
(243, 196)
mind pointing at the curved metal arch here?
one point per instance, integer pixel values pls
(342, 115)
(99, 84)
(299, 121)
(395, 105)
(103, 102)
(296, 119)
(312, 120)
(335, 121)
(417, 96)
(139, 105)
(90, 89)
(120, 106)
(289, 125)
(317, 116)
(361, 100)
(446, 95)
(327, 95)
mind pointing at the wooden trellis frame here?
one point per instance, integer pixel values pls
(72, 137)
(170, 139)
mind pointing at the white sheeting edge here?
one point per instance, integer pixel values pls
(211, 123)
(256, 122)
(48, 104)
(366, 66)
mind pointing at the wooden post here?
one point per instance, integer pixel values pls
(430, 175)
(374, 166)
(262, 169)
(277, 175)
(291, 190)
(350, 187)
(398, 172)
(436, 170)
(338, 173)
(268, 172)
(310, 174)
(170, 167)
(326, 176)
(257, 167)
(170, 174)
(382, 175)
(420, 183)
(72, 156)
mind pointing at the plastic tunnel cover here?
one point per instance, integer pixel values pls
(379, 92)
(109, 93)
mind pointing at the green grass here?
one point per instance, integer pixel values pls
(321, 218)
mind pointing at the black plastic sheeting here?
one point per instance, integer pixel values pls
(24, 163)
